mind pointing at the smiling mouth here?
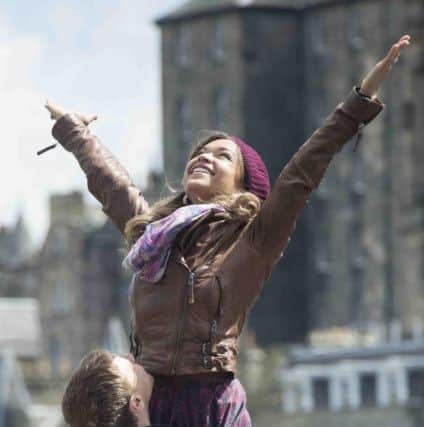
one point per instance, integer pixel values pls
(200, 170)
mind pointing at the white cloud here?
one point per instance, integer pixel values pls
(27, 179)
(103, 58)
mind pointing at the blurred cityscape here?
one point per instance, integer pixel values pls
(337, 337)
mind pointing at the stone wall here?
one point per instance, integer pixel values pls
(365, 216)
(272, 77)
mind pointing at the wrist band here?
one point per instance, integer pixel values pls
(360, 93)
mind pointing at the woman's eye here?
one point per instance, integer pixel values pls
(227, 156)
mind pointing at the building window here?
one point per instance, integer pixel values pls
(61, 299)
(182, 47)
(358, 188)
(55, 352)
(318, 35)
(355, 244)
(322, 261)
(322, 249)
(218, 39)
(355, 39)
(221, 108)
(59, 241)
(184, 116)
(320, 390)
(416, 383)
(368, 389)
(356, 270)
(409, 115)
(184, 128)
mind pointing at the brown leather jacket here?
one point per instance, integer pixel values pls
(189, 322)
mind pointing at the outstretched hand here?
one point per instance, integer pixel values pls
(57, 112)
(373, 80)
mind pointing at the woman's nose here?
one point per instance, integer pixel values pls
(206, 156)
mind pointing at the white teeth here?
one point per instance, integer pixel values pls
(200, 169)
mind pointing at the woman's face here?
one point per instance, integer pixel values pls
(217, 168)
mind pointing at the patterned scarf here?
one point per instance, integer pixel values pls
(149, 256)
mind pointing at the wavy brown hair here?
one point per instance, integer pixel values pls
(240, 206)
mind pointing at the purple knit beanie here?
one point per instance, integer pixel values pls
(256, 173)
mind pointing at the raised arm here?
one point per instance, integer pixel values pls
(107, 179)
(270, 231)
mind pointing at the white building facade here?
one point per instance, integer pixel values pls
(379, 376)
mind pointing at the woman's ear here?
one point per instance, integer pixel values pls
(136, 404)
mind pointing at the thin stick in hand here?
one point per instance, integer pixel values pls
(50, 147)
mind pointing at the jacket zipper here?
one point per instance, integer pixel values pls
(191, 279)
(214, 324)
(188, 298)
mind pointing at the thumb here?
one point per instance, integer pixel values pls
(87, 119)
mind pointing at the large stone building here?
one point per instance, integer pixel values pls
(18, 266)
(83, 288)
(270, 71)
(82, 284)
(78, 279)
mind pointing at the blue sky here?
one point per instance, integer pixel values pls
(97, 56)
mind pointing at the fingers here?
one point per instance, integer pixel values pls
(92, 118)
(394, 52)
(87, 119)
(403, 42)
(55, 111)
(373, 80)
(48, 106)
(405, 37)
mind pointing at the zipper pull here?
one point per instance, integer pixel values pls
(191, 279)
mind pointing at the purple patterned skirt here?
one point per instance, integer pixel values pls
(190, 401)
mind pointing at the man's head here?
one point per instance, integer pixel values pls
(107, 390)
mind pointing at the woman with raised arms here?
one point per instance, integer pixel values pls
(201, 257)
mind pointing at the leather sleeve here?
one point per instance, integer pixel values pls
(107, 179)
(269, 232)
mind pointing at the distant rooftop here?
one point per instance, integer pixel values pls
(20, 331)
(325, 355)
(194, 8)
(200, 7)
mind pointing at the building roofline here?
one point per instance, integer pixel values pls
(185, 14)
(309, 356)
(12, 302)
(188, 15)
